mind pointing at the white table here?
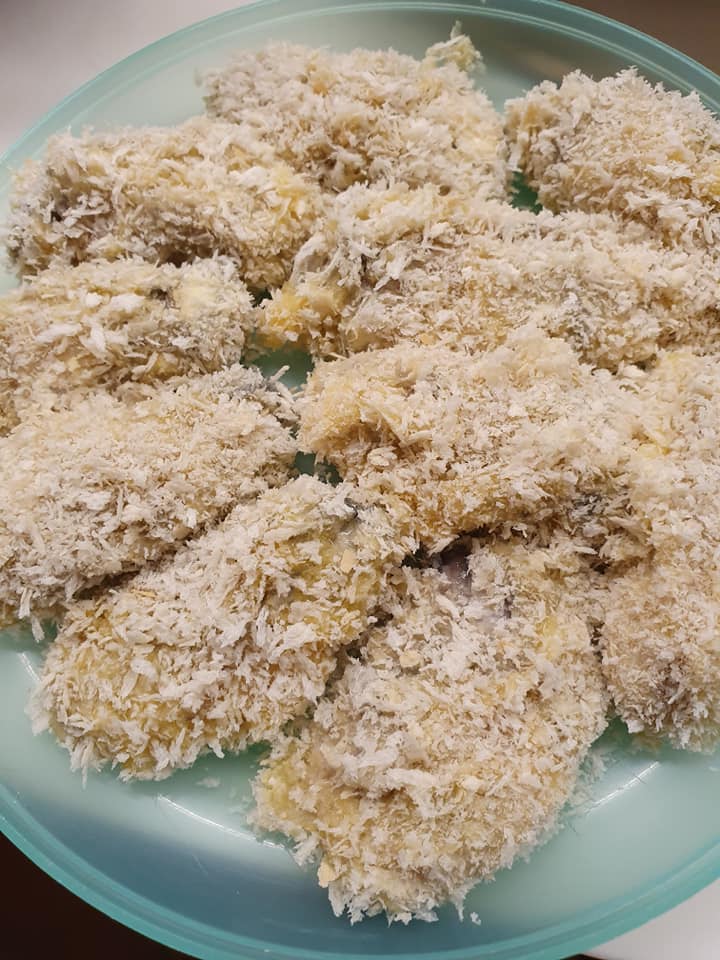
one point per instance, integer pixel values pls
(70, 42)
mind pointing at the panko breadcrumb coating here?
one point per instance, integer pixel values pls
(223, 644)
(104, 486)
(368, 115)
(394, 265)
(462, 442)
(620, 144)
(661, 647)
(164, 194)
(449, 746)
(661, 653)
(524, 410)
(102, 324)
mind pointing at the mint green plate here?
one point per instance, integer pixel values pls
(175, 860)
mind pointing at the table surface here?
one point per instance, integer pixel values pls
(39, 916)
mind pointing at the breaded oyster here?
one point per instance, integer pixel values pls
(164, 194)
(225, 642)
(102, 324)
(619, 144)
(389, 265)
(367, 115)
(104, 486)
(661, 653)
(661, 637)
(520, 433)
(448, 747)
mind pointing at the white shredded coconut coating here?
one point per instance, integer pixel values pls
(368, 115)
(622, 145)
(225, 642)
(164, 194)
(461, 441)
(103, 324)
(449, 746)
(393, 265)
(104, 486)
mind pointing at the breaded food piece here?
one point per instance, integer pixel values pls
(368, 115)
(449, 746)
(462, 442)
(102, 324)
(661, 640)
(391, 264)
(620, 144)
(164, 194)
(661, 651)
(225, 642)
(104, 486)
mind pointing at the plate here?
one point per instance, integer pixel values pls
(175, 860)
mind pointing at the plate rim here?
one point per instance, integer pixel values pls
(129, 908)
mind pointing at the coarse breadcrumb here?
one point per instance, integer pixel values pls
(393, 265)
(164, 194)
(622, 145)
(102, 324)
(104, 486)
(661, 652)
(449, 746)
(225, 642)
(368, 115)
(514, 434)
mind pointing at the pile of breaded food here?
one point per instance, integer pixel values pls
(522, 406)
